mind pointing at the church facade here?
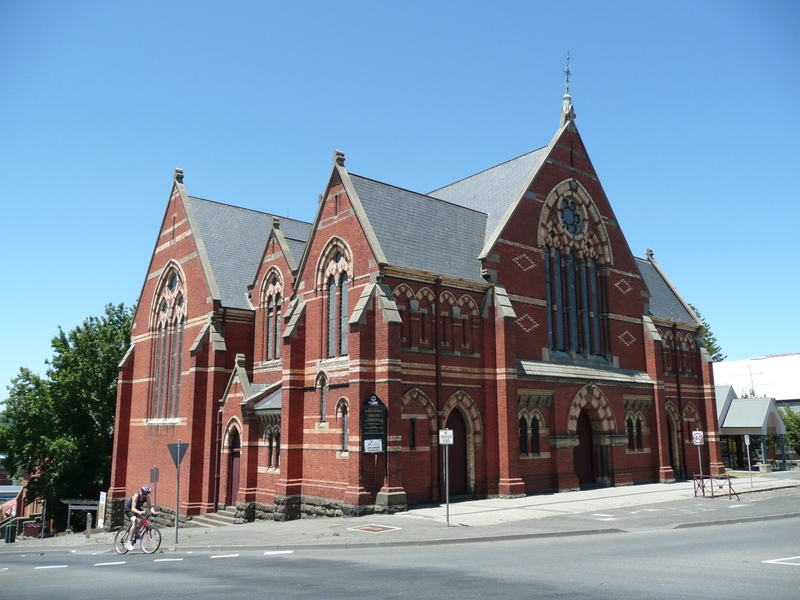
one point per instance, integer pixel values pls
(310, 367)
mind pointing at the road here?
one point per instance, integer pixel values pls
(731, 561)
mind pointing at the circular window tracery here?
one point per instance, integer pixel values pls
(571, 217)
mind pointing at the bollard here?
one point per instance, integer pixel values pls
(88, 524)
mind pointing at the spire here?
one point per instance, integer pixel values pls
(567, 110)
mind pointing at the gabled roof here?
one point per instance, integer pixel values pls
(234, 239)
(494, 190)
(754, 416)
(420, 232)
(665, 300)
(724, 395)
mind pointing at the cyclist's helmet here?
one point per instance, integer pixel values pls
(145, 489)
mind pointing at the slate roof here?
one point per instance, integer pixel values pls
(420, 232)
(492, 191)
(235, 239)
(664, 304)
(271, 403)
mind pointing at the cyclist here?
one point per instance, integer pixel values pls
(134, 508)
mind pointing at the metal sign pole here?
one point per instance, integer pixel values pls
(749, 467)
(178, 493)
(447, 481)
(700, 462)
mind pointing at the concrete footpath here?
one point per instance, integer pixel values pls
(590, 512)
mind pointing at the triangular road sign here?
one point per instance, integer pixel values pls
(173, 450)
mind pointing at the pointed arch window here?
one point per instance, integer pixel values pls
(573, 290)
(169, 325)
(523, 436)
(345, 422)
(535, 436)
(323, 398)
(271, 302)
(631, 445)
(639, 435)
(337, 315)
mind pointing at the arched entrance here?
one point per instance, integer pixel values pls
(234, 456)
(674, 435)
(459, 482)
(583, 453)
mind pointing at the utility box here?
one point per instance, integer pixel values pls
(11, 533)
(33, 529)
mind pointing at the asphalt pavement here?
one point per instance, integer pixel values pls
(588, 512)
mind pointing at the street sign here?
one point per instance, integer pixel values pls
(446, 437)
(746, 440)
(177, 451)
(154, 471)
(697, 438)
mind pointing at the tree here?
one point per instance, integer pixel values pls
(792, 421)
(708, 339)
(59, 428)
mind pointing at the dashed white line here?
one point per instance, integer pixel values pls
(108, 564)
(52, 567)
(224, 556)
(784, 561)
(4, 569)
(167, 559)
(274, 552)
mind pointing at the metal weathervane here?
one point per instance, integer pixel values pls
(567, 72)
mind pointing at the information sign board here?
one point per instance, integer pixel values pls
(373, 425)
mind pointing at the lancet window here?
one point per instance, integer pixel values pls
(271, 302)
(169, 325)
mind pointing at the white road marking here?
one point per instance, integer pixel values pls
(4, 569)
(108, 564)
(274, 552)
(167, 559)
(52, 567)
(784, 561)
(224, 556)
(601, 515)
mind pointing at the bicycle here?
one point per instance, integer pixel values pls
(147, 534)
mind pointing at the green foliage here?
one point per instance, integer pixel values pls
(708, 339)
(792, 421)
(59, 428)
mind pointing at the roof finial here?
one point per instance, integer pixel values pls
(567, 111)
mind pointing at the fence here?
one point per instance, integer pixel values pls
(714, 486)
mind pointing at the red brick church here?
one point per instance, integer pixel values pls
(311, 366)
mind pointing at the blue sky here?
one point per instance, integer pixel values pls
(690, 112)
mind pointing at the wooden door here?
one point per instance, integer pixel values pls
(459, 482)
(583, 453)
(233, 469)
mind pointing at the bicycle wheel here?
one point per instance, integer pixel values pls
(151, 540)
(120, 540)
